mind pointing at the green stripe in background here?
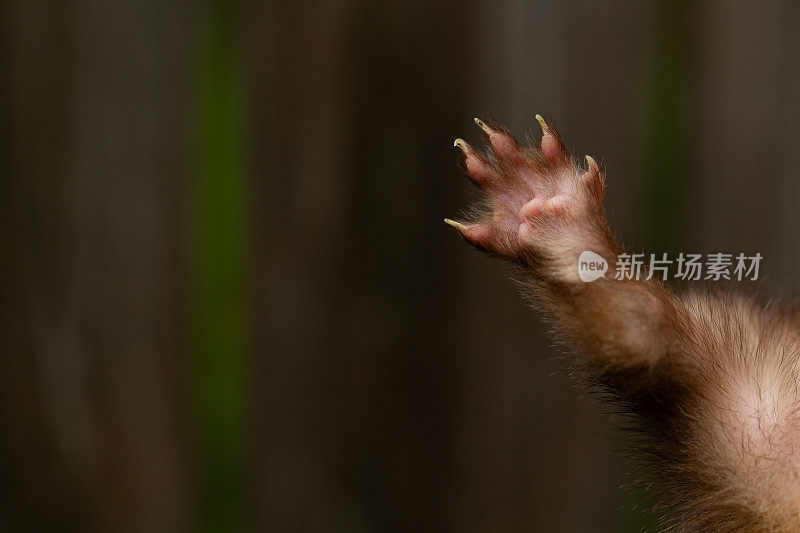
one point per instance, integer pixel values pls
(219, 237)
(664, 151)
(665, 134)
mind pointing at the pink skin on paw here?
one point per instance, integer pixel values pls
(502, 142)
(551, 148)
(532, 209)
(525, 233)
(541, 206)
(532, 214)
(557, 204)
(533, 197)
(504, 146)
(477, 234)
(474, 165)
(476, 168)
(592, 180)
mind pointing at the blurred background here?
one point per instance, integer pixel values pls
(230, 302)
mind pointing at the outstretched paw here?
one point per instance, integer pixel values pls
(539, 204)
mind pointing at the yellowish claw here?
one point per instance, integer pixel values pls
(542, 123)
(458, 225)
(482, 125)
(459, 143)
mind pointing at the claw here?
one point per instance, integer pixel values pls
(592, 170)
(476, 234)
(482, 125)
(592, 178)
(542, 123)
(458, 225)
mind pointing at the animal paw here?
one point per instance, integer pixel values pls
(538, 204)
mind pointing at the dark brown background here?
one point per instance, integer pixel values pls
(230, 302)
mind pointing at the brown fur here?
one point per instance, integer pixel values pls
(712, 376)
